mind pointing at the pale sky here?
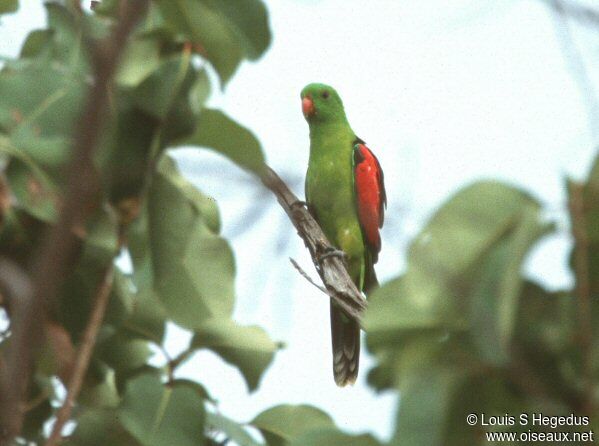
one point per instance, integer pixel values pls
(444, 93)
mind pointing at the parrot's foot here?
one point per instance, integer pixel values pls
(299, 203)
(332, 252)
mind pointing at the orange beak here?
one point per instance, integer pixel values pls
(308, 107)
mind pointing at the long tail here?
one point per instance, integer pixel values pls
(345, 335)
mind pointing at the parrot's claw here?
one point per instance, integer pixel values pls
(299, 203)
(332, 252)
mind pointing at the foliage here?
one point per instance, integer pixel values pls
(182, 270)
(462, 316)
(464, 332)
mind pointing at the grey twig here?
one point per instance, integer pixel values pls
(331, 269)
(564, 11)
(306, 276)
(575, 10)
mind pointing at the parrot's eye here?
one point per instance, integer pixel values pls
(325, 95)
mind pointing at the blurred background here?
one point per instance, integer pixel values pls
(444, 93)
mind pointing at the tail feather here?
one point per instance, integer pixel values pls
(371, 282)
(345, 335)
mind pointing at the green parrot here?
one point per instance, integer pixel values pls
(345, 193)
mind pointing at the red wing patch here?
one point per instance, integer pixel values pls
(370, 196)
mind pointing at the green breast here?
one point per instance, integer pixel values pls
(330, 191)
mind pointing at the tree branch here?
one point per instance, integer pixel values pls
(331, 269)
(16, 287)
(583, 285)
(576, 11)
(5, 198)
(307, 277)
(84, 355)
(572, 55)
(59, 247)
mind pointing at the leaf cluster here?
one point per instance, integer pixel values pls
(181, 270)
(464, 331)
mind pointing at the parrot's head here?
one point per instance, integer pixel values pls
(321, 103)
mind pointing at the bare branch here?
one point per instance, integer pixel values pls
(331, 269)
(576, 11)
(583, 285)
(16, 287)
(573, 56)
(59, 247)
(306, 276)
(5, 198)
(84, 355)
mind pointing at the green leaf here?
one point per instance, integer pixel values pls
(455, 312)
(249, 21)
(141, 58)
(282, 424)
(148, 318)
(167, 95)
(200, 92)
(248, 348)
(193, 268)
(108, 8)
(36, 42)
(39, 106)
(8, 6)
(223, 31)
(139, 248)
(218, 132)
(126, 151)
(384, 323)
(40, 103)
(426, 406)
(98, 247)
(414, 351)
(124, 353)
(233, 430)
(157, 414)
(546, 335)
(35, 193)
(205, 27)
(330, 437)
(546, 320)
(495, 295)
(450, 282)
(122, 299)
(101, 236)
(99, 389)
(157, 93)
(67, 45)
(20, 235)
(196, 386)
(100, 427)
(155, 26)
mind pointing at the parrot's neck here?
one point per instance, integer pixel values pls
(322, 131)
